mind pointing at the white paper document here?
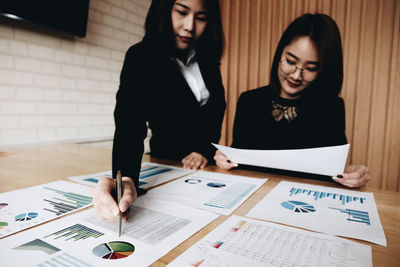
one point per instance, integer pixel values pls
(241, 241)
(329, 210)
(83, 239)
(216, 192)
(24, 208)
(151, 174)
(323, 160)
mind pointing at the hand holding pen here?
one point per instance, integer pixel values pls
(105, 203)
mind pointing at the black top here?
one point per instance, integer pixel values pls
(153, 90)
(317, 124)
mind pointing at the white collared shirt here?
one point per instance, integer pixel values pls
(191, 73)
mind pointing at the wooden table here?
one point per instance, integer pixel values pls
(31, 166)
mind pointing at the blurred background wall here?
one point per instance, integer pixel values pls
(60, 88)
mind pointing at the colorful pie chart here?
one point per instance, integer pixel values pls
(113, 250)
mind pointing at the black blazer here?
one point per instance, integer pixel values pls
(152, 89)
(319, 123)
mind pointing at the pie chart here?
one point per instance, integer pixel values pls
(298, 206)
(192, 181)
(26, 216)
(216, 184)
(3, 224)
(113, 250)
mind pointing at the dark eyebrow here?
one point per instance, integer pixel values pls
(186, 7)
(182, 5)
(308, 62)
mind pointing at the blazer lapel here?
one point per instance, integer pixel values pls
(180, 83)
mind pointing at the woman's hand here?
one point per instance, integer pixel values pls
(194, 161)
(106, 205)
(223, 162)
(354, 176)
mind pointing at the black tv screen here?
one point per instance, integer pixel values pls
(69, 16)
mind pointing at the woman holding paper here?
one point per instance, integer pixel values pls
(171, 82)
(301, 107)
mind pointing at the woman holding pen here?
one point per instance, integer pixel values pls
(301, 107)
(171, 82)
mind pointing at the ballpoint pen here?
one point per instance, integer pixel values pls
(119, 195)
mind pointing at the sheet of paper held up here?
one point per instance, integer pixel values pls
(322, 160)
(241, 241)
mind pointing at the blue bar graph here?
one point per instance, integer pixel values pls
(317, 195)
(355, 215)
(151, 171)
(92, 180)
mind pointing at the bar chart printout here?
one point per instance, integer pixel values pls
(215, 192)
(328, 210)
(241, 241)
(151, 174)
(27, 207)
(83, 239)
(65, 202)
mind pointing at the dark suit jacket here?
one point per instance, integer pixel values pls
(152, 89)
(319, 123)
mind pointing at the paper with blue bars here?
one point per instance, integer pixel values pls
(328, 210)
(215, 192)
(151, 174)
(24, 208)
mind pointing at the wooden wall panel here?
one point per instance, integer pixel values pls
(370, 32)
(391, 168)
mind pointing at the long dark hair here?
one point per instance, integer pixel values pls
(324, 32)
(158, 27)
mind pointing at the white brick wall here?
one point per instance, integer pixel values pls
(55, 88)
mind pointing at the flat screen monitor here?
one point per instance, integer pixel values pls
(69, 16)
